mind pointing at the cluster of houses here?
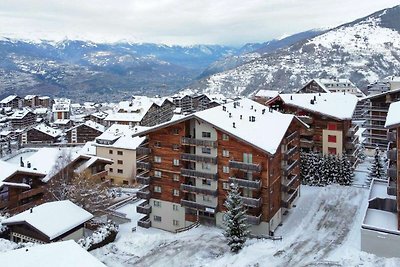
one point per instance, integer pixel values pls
(185, 151)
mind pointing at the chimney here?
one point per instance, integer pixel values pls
(312, 101)
(230, 115)
(241, 116)
(251, 107)
(319, 94)
(315, 98)
(263, 111)
(270, 109)
(31, 210)
(223, 108)
(234, 126)
(291, 97)
(28, 164)
(21, 162)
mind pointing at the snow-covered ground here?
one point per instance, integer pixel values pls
(322, 230)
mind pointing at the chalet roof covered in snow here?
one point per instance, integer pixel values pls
(336, 105)
(8, 169)
(52, 219)
(99, 115)
(48, 130)
(8, 99)
(236, 118)
(61, 105)
(381, 94)
(19, 114)
(60, 254)
(62, 121)
(30, 97)
(121, 136)
(40, 111)
(393, 116)
(91, 124)
(267, 93)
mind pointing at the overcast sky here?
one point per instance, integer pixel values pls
(232, 22)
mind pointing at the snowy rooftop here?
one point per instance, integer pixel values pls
(337, 105)
(48, 130)
(393, 116)
(121, 135)
(52, 218)
(8, 99)
(378, 189)
(100, 115)
(125, 117)
(61, 122)
(30, 97)
(91, 124)
(40, 111)
(61, 105)
(235, 120)
(267, 93)
(19, 114)
(9, 169)
(60, 254)
(88, 149)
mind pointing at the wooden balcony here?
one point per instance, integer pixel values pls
(100, 175)
(290, 137)
(305, 143)
(378, 108)
(288, 200)
(290, 153)
(288, 183)
(374, 126)
(143, 150)
(253, 220)
(288, 167)
(145, 222)
(187, 141)
(145, 180)
(306, 119)
(352, 131)
(256, 184)
(197, 174)
(143, 194)
(195, 205)
(252, 202)
(32, 192)
(244, 166)
(392, 155)
(143, 165)
(194, 189)
(198, 158)
(143, 208)
(307, 132)
(392, 172)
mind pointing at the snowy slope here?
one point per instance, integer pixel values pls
(363, 51)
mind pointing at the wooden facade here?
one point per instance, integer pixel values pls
(158, 114)
(23, 121)
(82, 133)
(35, 136)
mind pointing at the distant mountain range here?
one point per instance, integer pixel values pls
(364, 50)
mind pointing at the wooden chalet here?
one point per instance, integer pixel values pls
(31, 101)
(22, 119)
(84, 132)
(41, 134)
(188, 165)
(11, 101)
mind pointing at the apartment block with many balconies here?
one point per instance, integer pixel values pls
(190, 162)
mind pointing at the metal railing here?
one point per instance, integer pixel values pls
(198, 142)
(198, 174)
(392, 172)
(191, 188)
(145, 180)
(145, 222)
(289, 153)
(287, 168)
(143, 208)
(254, 220)
(256, 184)
(287, 183)
(291, 137)
(244, 166)
(143, 165)
(143, 150)
(391, 136)
(143, 194)
(193, 157)
(251, 202)
(286, 202)
(195, 205)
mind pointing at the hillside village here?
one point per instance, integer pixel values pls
(130, 182)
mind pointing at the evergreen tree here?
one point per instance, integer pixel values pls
(377, 170)
(236, 230)
(348, 174)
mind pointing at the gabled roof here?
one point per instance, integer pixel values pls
(8, 99)
(121, 136)
(267, 93)
(265, 132)
(48, 130)
(7, 170)
(336, 105)
(52, 219)
(19, 114)
(94, 125)
(60, 254)
(393, 116)
(381, 94)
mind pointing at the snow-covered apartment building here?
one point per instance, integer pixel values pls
(61, 109)
(191, 103)
(329, 116)
(191, 161)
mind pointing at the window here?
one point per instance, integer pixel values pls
(332, 138)
(157, 189)
(175, 177)
(247, 158)
(120, 171)
(110, 151)
(157, 159)
(225, 186)
(175, 207)
(332, 126)
(175, 147)
(206, 182)
(157, 203)
(125, 182)
(225, 137)
(175, 131)
(225, 153)
(157, 218)
(206, 198)
(157, 174)
(120, 161)
(206, 150)
(332, 150)
(175, 192)
(206, 134)
(157, 144)
(176, 162)
(225, 169)
(111, 170)
(206, 166)
(119, 152)
(175, 222)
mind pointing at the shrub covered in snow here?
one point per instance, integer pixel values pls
(236, 230)
(321, 170)
(3, 228)
(103, 235)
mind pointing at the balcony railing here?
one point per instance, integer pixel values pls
(195, 205)
(305, 143)
(244, 166)
(197, 174)
(290, 153)
(143, 150)
(307, 132)
(144, 222)
(391, 136)
(379, 108)
(383, 137)
(392, 188)
(291, 137)
(287, 183)
(253, 220)
(145, 180)
(287, 168)
(252, 202)
(193, 157)
(392, 155)
(352, 131)
(369, 125)
(143, 165)
(287, 202)
(306, 119)
(143, 194)
(143, 208)
(99, 175)
(194, 189)
(246, 183)
(392, 172)
(198, 142)
(30, 193)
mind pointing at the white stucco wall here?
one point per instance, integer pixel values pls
(168, 215)
(379, 243)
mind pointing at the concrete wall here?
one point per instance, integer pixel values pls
(205, 127)
(128, 167)
(339, 141)
(168, 215)
(379, 243)
(78, 234)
